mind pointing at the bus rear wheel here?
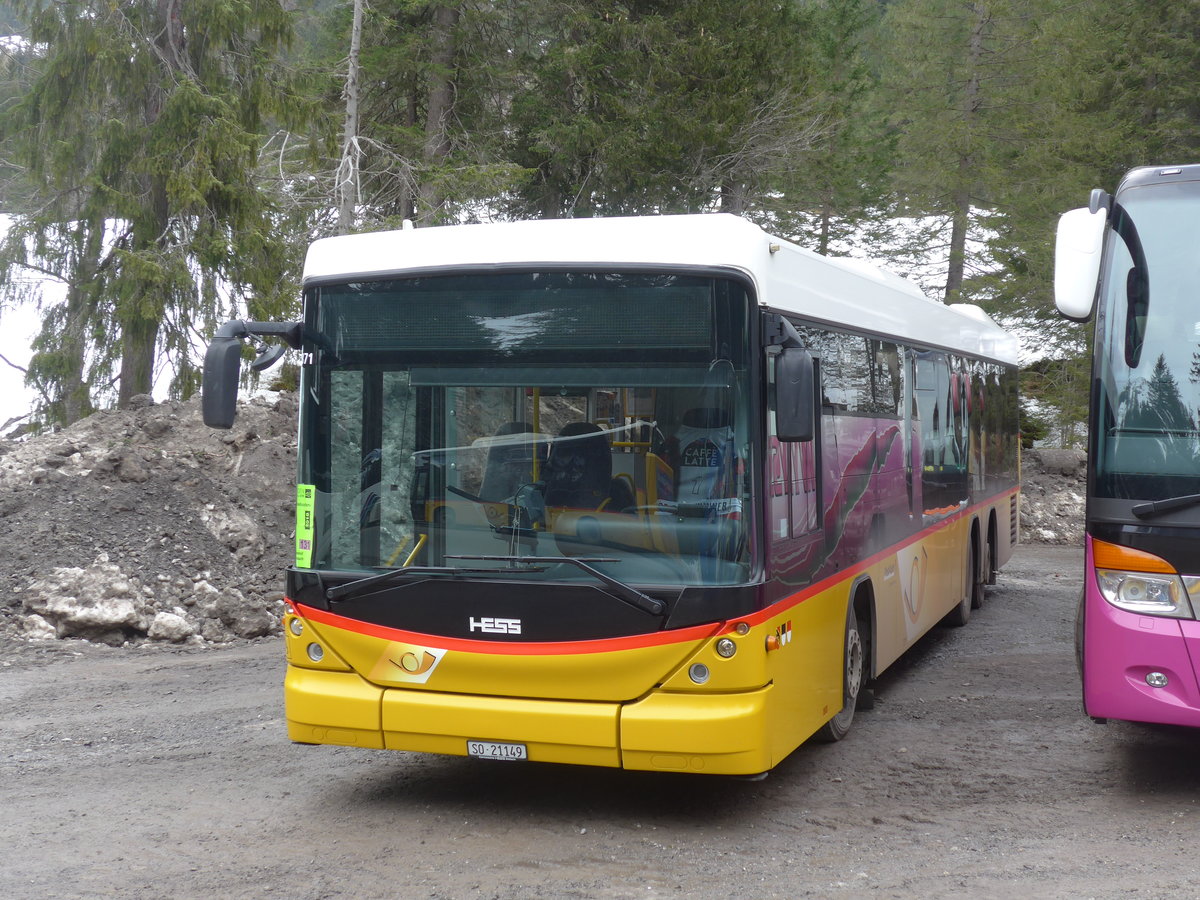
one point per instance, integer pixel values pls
(852, 681)
(961, 614)
(979, 581)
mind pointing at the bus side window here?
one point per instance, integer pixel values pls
(940, 401)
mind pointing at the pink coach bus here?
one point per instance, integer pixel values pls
(659, 493)
(1130, 260)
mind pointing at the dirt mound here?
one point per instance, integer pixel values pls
(144, 523)
(1053, 500)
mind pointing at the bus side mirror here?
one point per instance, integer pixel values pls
(223, 358)
(219, 390)
(1077, 254)
(795, 395)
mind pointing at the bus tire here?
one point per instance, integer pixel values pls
(853, 673)
(991, 550)
(979, 582)
(961, 614)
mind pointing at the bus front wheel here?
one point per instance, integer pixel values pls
(852, 681)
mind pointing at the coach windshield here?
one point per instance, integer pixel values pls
(500, 423)
(1147, 442)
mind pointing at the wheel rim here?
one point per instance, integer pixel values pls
(854, 664)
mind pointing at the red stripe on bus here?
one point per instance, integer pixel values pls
(855, 570)
(513, 648)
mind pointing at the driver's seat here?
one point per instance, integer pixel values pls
(579, 470)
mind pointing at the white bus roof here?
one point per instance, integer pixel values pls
(835, 291)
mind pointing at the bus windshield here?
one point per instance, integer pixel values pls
(498, 422)
(1146, 443)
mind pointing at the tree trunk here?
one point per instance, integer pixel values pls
(346, 179)
(961, 199)
(138, 338)
(733, 197)
(75, 396)
(408, 200)
(441, 106)
(141, 315)
(959, 225)
(75, 393)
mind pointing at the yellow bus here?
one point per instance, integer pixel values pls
(659, 493)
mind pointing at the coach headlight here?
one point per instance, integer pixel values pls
(1147, 594)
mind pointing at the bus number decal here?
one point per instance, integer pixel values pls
(305, 501)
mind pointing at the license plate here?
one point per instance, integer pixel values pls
(494, 750)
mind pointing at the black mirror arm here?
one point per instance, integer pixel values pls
(779, 332)
(291, 333)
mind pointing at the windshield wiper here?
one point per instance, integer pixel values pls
(1145, 510)
(618, 589)
(359, 585)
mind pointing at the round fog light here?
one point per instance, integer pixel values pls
(296, 627)
(1156, 679)
(698, 673)
(726, 648)
(316, 652)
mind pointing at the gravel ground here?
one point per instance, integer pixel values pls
(162, 770)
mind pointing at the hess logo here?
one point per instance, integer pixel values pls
(490, 625)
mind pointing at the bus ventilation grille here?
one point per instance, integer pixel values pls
(1013, 517)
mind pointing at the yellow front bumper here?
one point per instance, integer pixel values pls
(722, 734)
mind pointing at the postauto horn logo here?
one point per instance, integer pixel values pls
(406, 664)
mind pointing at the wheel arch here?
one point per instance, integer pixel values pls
(862, 598)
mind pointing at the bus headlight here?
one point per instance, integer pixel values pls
(1148, 595)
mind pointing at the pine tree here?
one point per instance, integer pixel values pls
(940, 89)
(644, 107)
(139, 131)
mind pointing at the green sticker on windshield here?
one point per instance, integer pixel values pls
(306, 495)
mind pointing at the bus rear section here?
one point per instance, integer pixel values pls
(661, 494)
(1129, 261)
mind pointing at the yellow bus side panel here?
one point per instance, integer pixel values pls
(806, 671)
(552, 730)
(927, 580)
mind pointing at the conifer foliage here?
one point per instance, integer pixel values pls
(136, 136)
(166, 161)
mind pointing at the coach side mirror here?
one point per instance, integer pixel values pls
(1077, 252)
(795, 395)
